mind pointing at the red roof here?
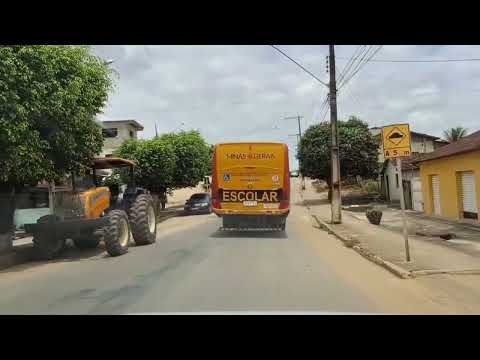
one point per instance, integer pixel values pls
(466, 144)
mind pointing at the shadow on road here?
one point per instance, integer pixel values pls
(185, 214)
(250, 234)
(71, 253)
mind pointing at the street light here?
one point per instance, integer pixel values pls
(109, 62)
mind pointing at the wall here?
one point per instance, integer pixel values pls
(391, 171)
(446, 168)
(112, 144)
(421, 144)
(394, 192)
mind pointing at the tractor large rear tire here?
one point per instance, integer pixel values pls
(116, 233)
(47, 245)
(143, 220)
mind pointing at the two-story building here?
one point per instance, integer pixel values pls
(389, 171)
(116, 132)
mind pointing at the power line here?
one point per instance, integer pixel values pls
(325, 112)
(357, 66)
(423, 61)
(374, 52)
(351, 61)
(363, 53)
(299, 65)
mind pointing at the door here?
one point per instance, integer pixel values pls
(387, 182)
(407, 194)
(469, 195)
(417, 197)
(436, 194)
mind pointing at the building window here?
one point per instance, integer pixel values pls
(396, 180)
(132, 134)
(110, 133)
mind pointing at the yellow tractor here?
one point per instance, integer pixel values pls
(88, 212)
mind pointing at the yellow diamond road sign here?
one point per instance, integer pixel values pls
(396, 141)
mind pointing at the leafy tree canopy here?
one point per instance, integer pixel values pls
(192, 157)
(170, 161)
(358, 150)
(49, 96)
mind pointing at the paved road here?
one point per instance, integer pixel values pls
(195, 268)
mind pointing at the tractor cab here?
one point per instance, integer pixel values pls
(118, 175)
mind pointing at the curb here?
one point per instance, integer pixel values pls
(353, 243)
(416, 273)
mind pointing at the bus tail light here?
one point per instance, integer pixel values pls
(285, 202)
(216, 203)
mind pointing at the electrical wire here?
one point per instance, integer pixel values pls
(357, 67)
(424, 61)
(299, 65)
(361, 65)
(351, 61)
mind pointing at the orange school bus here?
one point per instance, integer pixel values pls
(251, 185)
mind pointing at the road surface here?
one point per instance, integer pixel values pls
(195, 268)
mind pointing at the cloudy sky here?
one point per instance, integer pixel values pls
(241, 93)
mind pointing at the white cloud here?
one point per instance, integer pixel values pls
(242, 92)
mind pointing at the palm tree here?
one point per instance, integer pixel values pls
(455, 134)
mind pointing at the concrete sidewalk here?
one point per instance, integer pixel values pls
(387, 247)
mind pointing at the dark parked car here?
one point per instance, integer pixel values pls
(200, 203)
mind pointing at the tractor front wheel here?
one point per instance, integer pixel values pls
(143, 220)
(116, 233)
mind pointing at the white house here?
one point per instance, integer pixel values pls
(389, 177)
(411, 182)
(116, 132)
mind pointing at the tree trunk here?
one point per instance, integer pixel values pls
(329, 190)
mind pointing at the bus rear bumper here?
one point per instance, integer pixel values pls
(258, 221)
(228, 212)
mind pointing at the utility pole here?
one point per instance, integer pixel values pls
(334, 149)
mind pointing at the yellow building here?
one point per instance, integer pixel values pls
(451, 179)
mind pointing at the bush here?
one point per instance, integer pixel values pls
(371, 187)
(374, 216)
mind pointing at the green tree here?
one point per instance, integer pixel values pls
(455, 134)
(155, 160)
(170, 161)
(358, 150)
(49, 96)
(192, 157)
